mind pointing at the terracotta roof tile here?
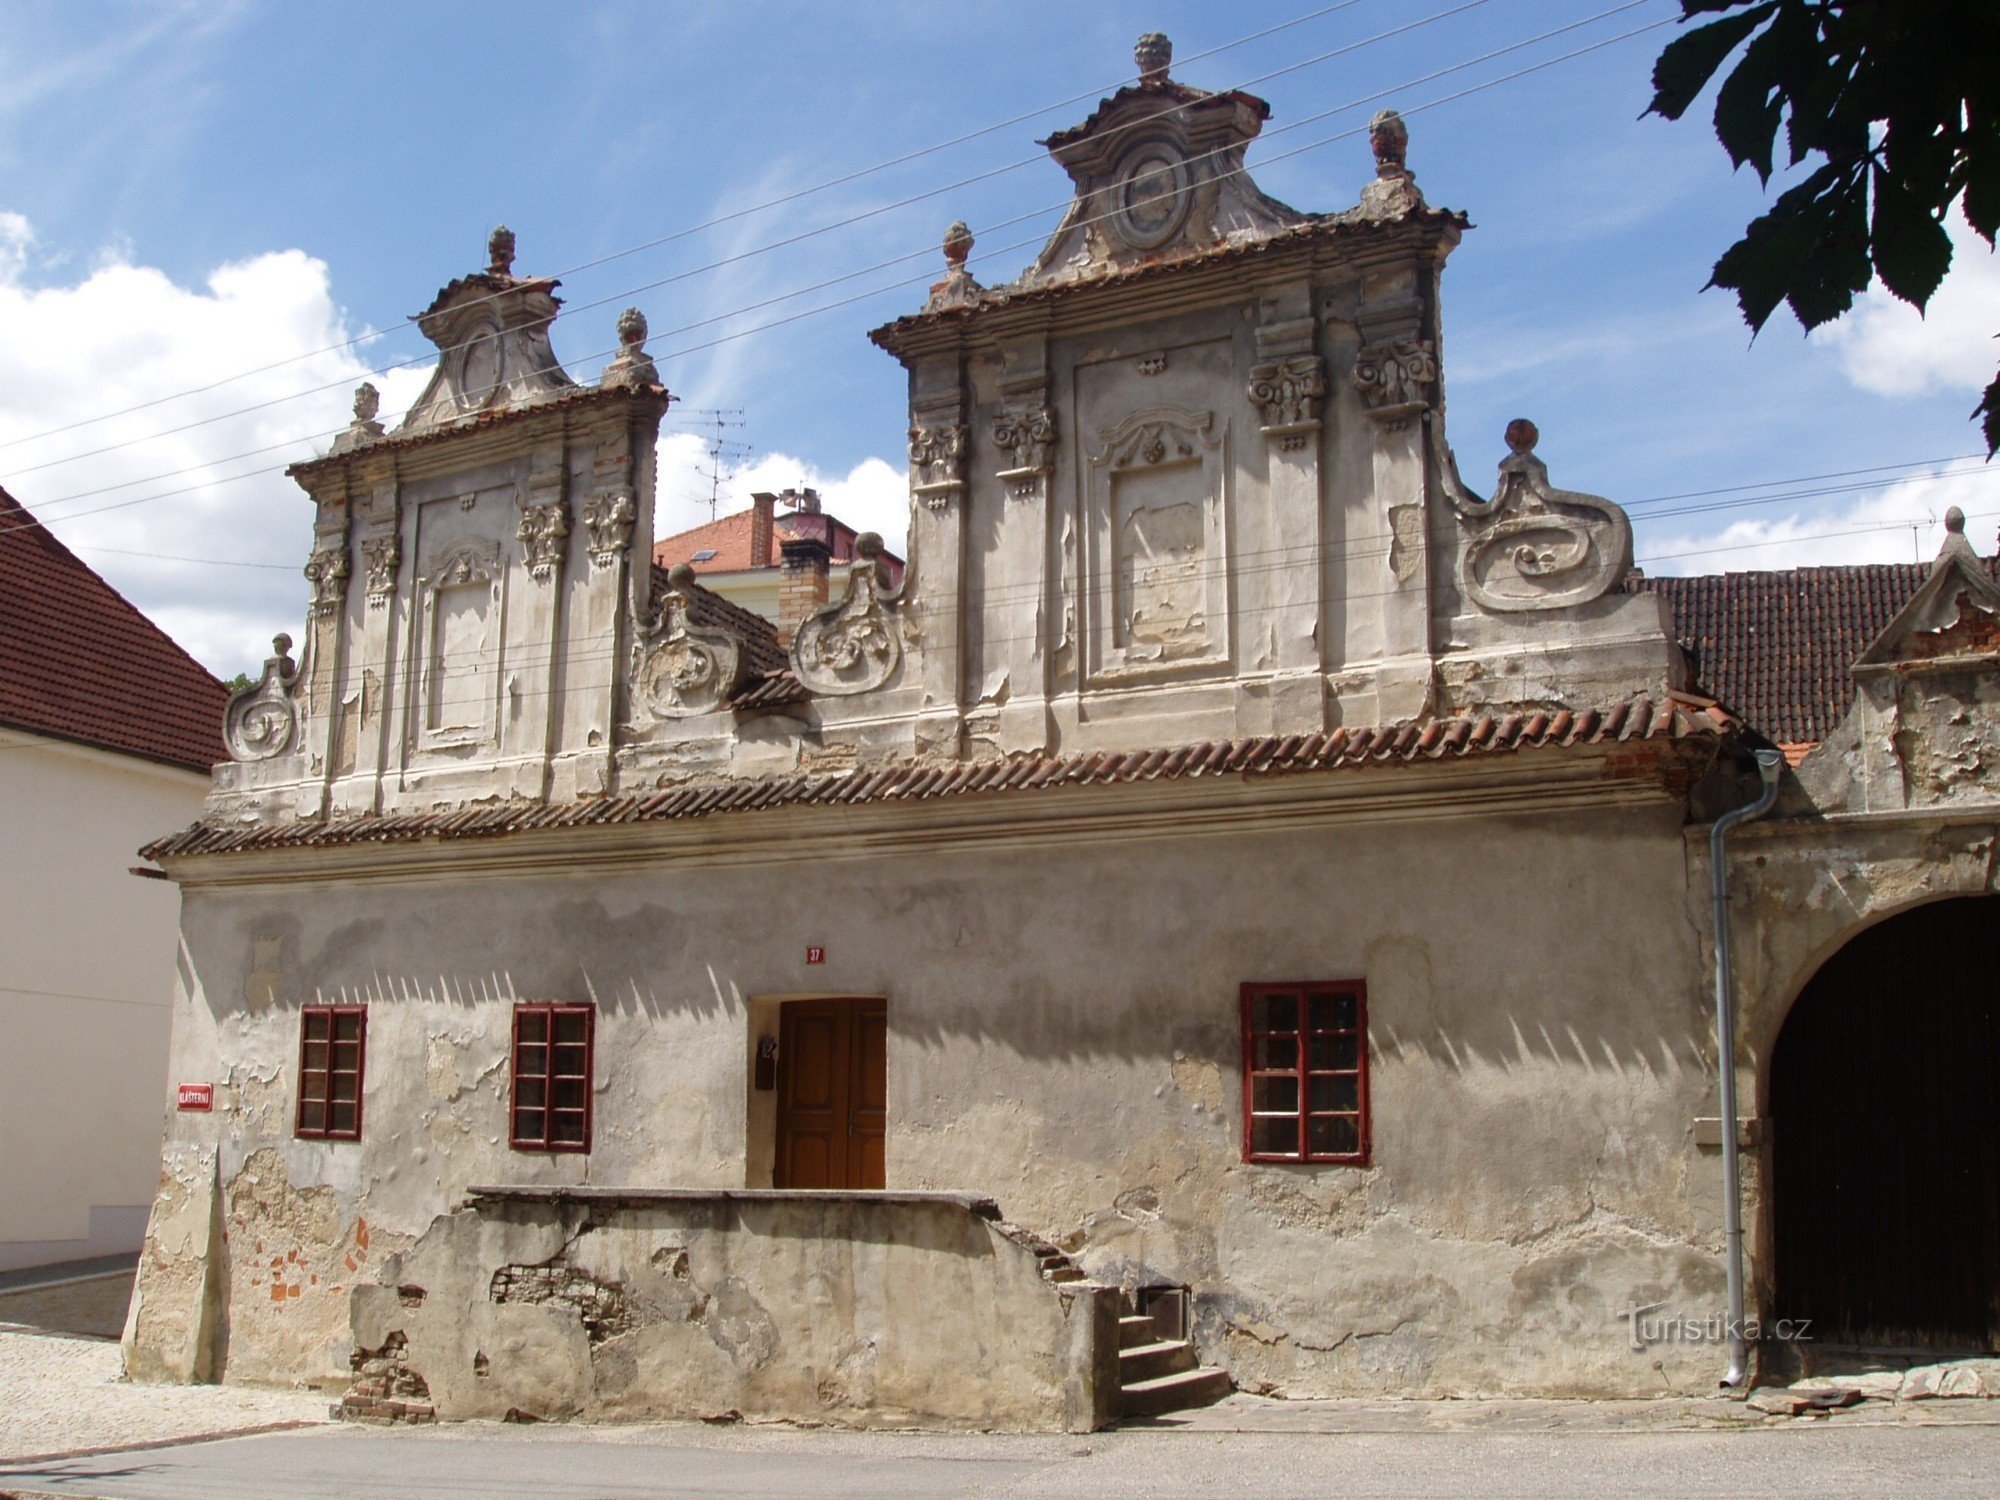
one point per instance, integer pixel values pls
(1776, 646)
(1675, 719)
(79, 662)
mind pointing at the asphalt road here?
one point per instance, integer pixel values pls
(614, 1464)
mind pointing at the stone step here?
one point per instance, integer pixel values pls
(1141, 1362)
(1137, 1329)
(1176, 1392)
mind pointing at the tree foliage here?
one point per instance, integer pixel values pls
(1896, 103)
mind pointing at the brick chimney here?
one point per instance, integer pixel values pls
(803, 587)
(761, 509)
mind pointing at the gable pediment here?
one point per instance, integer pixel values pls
(1953, 618)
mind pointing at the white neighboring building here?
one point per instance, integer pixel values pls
(107, 730)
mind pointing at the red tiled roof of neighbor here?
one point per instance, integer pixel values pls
(1776, 647)
(78, 662)
(728, 537)
(1677, 719)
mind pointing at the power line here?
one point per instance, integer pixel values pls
(781, 201)
(1019, 244)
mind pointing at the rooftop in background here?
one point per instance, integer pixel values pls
(749, 540)
(1775, 647)
(79, 662)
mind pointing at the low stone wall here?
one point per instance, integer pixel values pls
(865, 1309)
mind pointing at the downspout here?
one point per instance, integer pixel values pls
(1769, 764)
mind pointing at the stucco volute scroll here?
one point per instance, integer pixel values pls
(261, 721)
(852, 646)
(1533, 546)
(683, 669)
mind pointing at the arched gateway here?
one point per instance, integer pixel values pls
(1884, 1113)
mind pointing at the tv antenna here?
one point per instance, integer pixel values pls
(725, 454)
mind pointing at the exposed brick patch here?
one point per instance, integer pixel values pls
(385, 1388)
(604, 1308)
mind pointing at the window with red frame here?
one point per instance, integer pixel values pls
(554, 1048)
(333, 1044)
(1305, 1073)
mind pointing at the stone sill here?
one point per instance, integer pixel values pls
(641, 1197)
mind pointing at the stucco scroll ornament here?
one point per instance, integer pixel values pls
(610, 515)
(262, 720)
(1533, 546)
(542, 531)
(1395, 380)
(1287, 394)
(937, 454)
(852, 646)
(1027, 435)
(683, 669)
(327, 571)
(382, 555)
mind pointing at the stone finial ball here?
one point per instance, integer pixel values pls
(281, 644)
(680, 575)
(1389, 137)
(1954, 521)
(957, 244)
(500, 248)
(1522, 435)
(868, 544)
(632, 326)
(1153, 52)
(367, 401)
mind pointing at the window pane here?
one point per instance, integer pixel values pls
(530, 1093)
(531, 1059)
(314, 1054)
(1334, 1135)
(1336, 1091)
(1268, 1095)
(347, 1055)
(344, 1086)
(1274, 1052)
(341, 1116)
(1335, 1052)
(569, 1026)
(569, 1093)
(312, 1084)
(570, 1060)
(315, 1025)
(347, 1028)
(534, 1025)
(312, 1115)
(566, 1129)
(1275, 1013)
(528, 1125)
(1275, 1136)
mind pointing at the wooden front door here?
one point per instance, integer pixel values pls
(833, 1091)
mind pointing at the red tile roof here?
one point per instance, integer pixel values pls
(728, 537)
(78, 662)
(1679, 719)
(1776, 647)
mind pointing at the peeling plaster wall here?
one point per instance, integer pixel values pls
(1064, 1036)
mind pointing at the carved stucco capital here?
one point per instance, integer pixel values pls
(610, 517)
(327, 571)
(1287, 393)
(1026, 433)
(937, 461)
(542, 532)
(1395, 380)
(381, 556)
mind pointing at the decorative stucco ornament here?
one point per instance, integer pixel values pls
(381, 556)
(958, 289)
(610, 518)
(543, 530)
(500, 251)
(327, 571)
(1533, 546)
(683, 669)
(1393, 194)
(852, 646)
(937, 461)
(1027, 435)
(1395, 380)
(364, 428)
(491, 329)
(631, 365)
(262, 721)
(1287, 394)
(1153, 53)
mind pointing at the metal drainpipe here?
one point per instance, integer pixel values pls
(1769, 764)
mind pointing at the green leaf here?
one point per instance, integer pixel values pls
(1687, 62)
(1988, 411)
(1910, 247)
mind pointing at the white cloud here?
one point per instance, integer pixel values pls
(1886, 346)
(126, 336)
(872, 496)
(1903, 522)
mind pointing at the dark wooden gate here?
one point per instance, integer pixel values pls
(833, 1085)
(1885, 1137)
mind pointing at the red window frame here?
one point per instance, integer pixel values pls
(553, 1059)
(328, 1091)
(1305, 1073)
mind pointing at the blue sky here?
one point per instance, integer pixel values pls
(188, 191)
